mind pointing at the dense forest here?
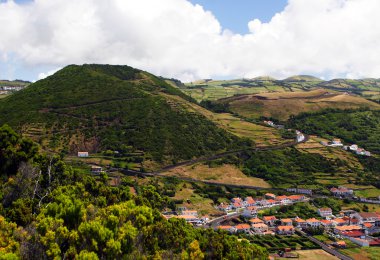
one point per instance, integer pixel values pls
(287, 166)
(352, 126)
(51, 210)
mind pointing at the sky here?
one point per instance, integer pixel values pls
(193, 39)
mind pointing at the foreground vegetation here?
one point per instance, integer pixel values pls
(51, 210)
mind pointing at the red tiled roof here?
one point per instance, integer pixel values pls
(339, 220)
(256, 220)
(348, 228)
(287, 220)
(285, 228)
(367, 225)
(224, 227)
(353, 233)
(312, 220)
(268, 218)
(369, 215)
(295, 197)
(243, 226)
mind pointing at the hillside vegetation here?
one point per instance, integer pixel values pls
(361, 127)
(49, 210)
(282, 105)
(217, 89)
(101, 107)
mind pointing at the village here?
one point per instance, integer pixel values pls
(348, 226)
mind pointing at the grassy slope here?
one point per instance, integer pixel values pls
(283, 105)
(261, 135)
(216, 89)
(227, 174)
(96, 107)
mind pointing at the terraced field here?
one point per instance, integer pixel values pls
(261, 135)
(282, 105)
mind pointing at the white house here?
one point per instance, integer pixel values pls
(260, 228)
(312, 222)
(324, 212)
(82, 154)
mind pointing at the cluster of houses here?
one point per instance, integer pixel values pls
(4, 90)
(190, 216)
(354, 148)
(349, 224)
(249, 205)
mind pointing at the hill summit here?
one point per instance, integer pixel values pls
(103, 107)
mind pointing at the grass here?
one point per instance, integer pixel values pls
(186, 193)
(228, 174)
(317, 254)
(282, 105)
(313, 145)
(368, 193)
(3, 96)
(275, 242)
(363, 253)
(261, 135)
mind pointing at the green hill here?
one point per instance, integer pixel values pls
(302, 78)
(218, 89)
(102, 107)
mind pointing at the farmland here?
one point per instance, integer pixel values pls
(282, 105)
(227, 174)
(261, 135)
(274, 243)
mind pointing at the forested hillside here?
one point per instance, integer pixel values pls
(101, 107)
(353, 126)
(50, 210)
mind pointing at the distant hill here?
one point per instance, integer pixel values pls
(284, 104)
(302, 78)
(101, 107)
(217, 89)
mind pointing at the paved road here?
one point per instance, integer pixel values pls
(211, 158)
(326, 248)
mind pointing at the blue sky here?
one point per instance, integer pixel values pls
(235, 14)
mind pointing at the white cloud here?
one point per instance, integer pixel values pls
(43, 75)
(175, 38)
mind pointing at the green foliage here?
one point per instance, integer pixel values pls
(13, 151)
(113, 107)
(68, 214)
(353, 126)
(334, 204)
(286, 166)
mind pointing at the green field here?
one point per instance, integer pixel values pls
(275, 242)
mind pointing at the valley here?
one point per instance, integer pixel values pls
(177, 148)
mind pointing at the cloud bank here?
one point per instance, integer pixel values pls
(174, 38)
